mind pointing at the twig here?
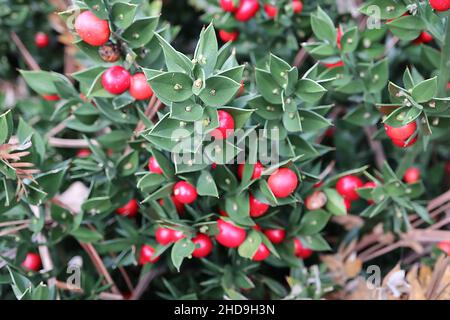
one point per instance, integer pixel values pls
(69, 143)
(13, 230)
(145, 281)
(376, 146)
(15, 222)
(98, 263)
(29, 60)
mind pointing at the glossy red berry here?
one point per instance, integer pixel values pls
(203, 246)
(116, 80)
(247, 10)
(444, 246)
(300, 251)
(164, 236)
(139, 87)
(226, 36)
(226, 125)
(271, 10)
(401, 133)
(440, 5)
(404, 143)
(283, 182)
(146, 255)
(276, 236)
(228, 5)
(412, 175)
(178, 205)
(262, 253)
(229, 235)
(258, 168)
(83, 153)
(297, 5)
(223, 213)
(257, 208)
(153, 165)
(424, 37)
(346, 187)
(41, 40)
(184, 192)
(32, 262)
(50, 97)
(92, 29)
(129, 210)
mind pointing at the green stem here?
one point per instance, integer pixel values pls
(444, 69)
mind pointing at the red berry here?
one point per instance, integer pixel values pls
(228, 5)
(283, 182)
(41, 39)
(116, 80)
(129, 210)
(226, 36)
(440, 5)
(258, 168)
(403, 144)
(177, 235)
(32, 262)
(92, 29)
(184, 192)
(371, 185)
(164, 236)
(178, 205)
(297, 5)
(276, 236)
(153, 166)
(262, 253)
(226, 125)
(229, 235)
(257, 208)
(50, 97)
(83, 153)
(346, 187)
(139, 87)
(424, 37)
(270, 10)
(334, 65)
(444, 246)
(338, 38)
(412, 175)
(146, 255)
(300, 251)
(247, 10)
(203, 245)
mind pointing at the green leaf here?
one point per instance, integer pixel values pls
(175, 61)
(251, 244)
(323, 26)
(379, 76)
(309, 91)
(279, 70)
(181, 250)
(267, 86)
(172, 86)
(350, 40)
(219, 91)
(123, 14)
(383, 9)
(335, 202)
(42, 82)
(86, 235)
(206, 185)
(97, 205)
(315, 242)
(207, 50)
(128, 164)
(98, 8)
(313, 222)
(425, 90)
(6, 126)
(140, 32)
(407, 27)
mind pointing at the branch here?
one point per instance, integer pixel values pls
(29, 60)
